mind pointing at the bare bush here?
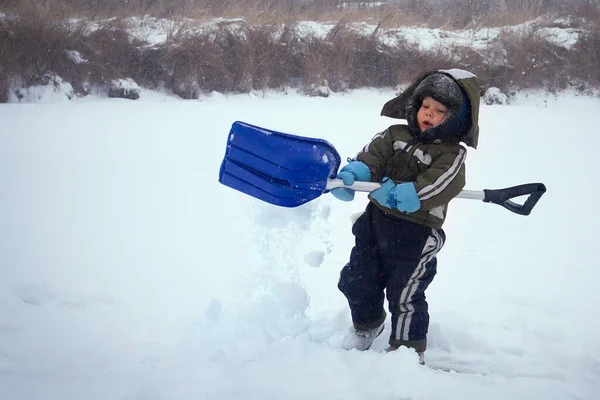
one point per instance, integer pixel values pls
(4, 87)
(585, 59)
(531, 62)
(196, 65)
(34, 43)
(239, 56)
(112, 53)
(432, 13)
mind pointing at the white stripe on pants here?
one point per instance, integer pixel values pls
(432, 246)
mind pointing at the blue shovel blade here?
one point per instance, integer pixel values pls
(279, 168)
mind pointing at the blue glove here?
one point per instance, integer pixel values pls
(407, 199)
(402, 196)
(355, 170)
(384, 195)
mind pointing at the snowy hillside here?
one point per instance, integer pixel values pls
(129, 273)
(192, 58)
(559, 31)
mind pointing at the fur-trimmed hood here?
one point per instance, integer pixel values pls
(397, 107)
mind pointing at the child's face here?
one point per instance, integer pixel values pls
(431, 113)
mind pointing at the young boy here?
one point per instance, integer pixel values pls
(421, 168)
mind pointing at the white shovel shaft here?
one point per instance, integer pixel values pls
(370, 186)
(357, 185)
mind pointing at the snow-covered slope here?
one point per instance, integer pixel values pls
(560, 31)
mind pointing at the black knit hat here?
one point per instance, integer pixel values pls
(444, 89)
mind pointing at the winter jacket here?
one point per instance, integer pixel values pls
(437, 169)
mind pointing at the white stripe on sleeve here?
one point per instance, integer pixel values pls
(443, 180)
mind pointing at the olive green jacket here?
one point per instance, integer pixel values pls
(437, 169)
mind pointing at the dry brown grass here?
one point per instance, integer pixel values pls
(4, 87)
(258, 54)
(531, 62)
(35, 44)
(31, 45)
(450, 13)
(585, 60)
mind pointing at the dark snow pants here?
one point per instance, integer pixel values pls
(398, 257)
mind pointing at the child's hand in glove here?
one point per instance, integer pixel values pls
(354, 171)
(402, 196)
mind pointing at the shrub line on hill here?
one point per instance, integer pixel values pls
(241, 57)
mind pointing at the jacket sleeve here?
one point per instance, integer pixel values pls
(377, 153)
(443, 180)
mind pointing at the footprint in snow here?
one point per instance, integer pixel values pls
(213, 311)
(34, 295)
(37, 295)
(324, 212)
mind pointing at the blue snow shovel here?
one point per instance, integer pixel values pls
(288, 170)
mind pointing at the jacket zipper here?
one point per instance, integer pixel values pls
(410, 153)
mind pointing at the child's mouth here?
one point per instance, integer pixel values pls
(427, 124)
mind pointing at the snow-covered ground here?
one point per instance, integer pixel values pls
(127, 272)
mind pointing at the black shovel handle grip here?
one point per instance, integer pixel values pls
(503, 197)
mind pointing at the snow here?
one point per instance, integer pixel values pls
(125, 83)
(152, 30)
(157, 31)
(459, 73)
(75, 56)
(563, 37)
(128, 272)
(56, 89)
(494, 95)
(316, 29)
